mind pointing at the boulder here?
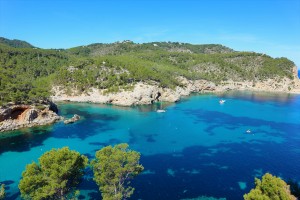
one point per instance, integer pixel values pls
(72, 120)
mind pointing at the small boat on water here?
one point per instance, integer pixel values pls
(248, 131)
(161, 110)
(222, 101)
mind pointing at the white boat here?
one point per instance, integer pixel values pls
(222, 101)
(248, 131)
(161, 110)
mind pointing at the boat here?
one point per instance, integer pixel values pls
(248, 131)
(161, 110)
(222, 101)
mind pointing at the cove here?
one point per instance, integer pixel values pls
(197, 147)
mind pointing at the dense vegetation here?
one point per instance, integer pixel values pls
(27, 74)
(55, 176)
(113, 168)
(270, 188)
(15, 43)
(59, 171)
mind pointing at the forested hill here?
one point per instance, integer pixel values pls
(27, 73)
(127, 46)
(15, 43)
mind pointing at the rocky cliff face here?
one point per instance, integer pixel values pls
(18, 116)
(147, 94)
(141, 94)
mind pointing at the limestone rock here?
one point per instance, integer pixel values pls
(19, 116)
(72, 120)
(145, 93)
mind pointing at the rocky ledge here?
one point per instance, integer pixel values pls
(16, 116)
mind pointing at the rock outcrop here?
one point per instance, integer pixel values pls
(72, 119)
(15, 116)
(142, 94)
(147, 94)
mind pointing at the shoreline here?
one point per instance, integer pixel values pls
(145, 94)
(142, 94)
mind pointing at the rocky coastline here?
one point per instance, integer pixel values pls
(16, 116)
(147, 94)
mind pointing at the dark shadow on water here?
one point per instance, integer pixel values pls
(7, 184)
(100, 145)
(218, 119)
(212, 172)
(150, 138)
(90, 124)
(27, 138)
(89, 184)
(24, 139)
(9, 195)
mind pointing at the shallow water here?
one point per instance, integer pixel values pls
(198, 147)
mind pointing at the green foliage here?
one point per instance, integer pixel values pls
(118, 48)
(113, 168)
(270, 188)
(2, 192)
(15, 43)
(27, 74)
(54, 177)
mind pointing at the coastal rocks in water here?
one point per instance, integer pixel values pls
(15, 116)
(72, 120)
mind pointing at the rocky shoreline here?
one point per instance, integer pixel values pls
(147, 94)
(16, 116)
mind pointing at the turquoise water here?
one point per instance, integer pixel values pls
(198, 147)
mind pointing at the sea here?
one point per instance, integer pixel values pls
(197, 149)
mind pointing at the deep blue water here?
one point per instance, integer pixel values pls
(198, 147)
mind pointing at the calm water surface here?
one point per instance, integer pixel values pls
(198, 147)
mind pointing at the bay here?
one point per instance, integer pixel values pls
(197, 147)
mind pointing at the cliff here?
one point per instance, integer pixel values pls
(16, 116)
(144, 93)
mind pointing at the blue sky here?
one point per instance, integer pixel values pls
(266, 26)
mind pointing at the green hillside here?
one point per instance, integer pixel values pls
(27, 74)
(15, 43)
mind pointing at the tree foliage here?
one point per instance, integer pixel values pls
(22, 70)
(2, 192)
(54, 177)
(15, 43)
(270, 188)
(113, 168)
(27, 74)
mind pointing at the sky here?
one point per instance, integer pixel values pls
(264, 26)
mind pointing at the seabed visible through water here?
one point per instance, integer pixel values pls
(198, 147)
